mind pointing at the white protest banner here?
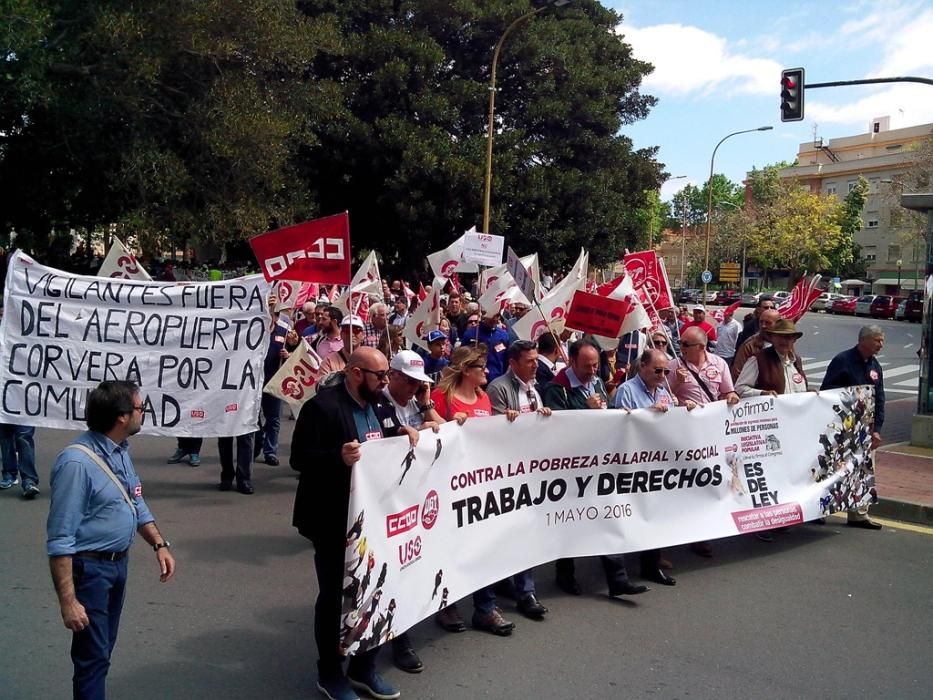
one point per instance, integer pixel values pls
(294, 382)
(196, 350)
(483, 249)
(524, 280)
(120, 262)
(458, 516)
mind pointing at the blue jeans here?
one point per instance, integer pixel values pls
(19, 452)
(244, 458)
(100, 587)
(271, 421)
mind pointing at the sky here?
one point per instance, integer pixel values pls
(718, 69)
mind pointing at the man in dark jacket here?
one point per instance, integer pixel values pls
(325, 446)
(576, 387)
(853, 367)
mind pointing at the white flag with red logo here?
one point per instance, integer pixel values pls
(286, 294)
(498, 294)
(647, 272)
(294, 382)
(555, 304)
(424, 319)
(805, 292)
(120, 262)
(446, 263)
(365, 281)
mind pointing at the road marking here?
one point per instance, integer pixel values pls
(815, 365)
(898, 371)
(909, 392)
(908, 346)
(894, 524)
(914, 382)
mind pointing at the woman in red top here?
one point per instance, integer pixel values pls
(459, 394)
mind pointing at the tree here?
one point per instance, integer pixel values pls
(843, 259)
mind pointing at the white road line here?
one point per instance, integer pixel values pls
(898, 371)
(914, 382)
(815, 365)
(900, 391)
(908, 346)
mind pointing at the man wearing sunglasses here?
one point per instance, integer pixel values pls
(512, 394)
(325, 446)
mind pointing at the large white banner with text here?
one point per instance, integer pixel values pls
(474, 504)
(195, 349)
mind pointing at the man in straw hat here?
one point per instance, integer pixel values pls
(777, 369)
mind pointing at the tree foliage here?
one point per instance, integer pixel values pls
(222, 118)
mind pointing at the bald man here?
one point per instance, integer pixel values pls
(326, 445)
(755, 343)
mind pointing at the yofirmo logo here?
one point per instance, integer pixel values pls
(397, 523)
(430, 510)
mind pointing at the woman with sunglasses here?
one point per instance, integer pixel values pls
(459, 395)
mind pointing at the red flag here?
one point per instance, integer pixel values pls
(308, 292)
(598, 315)
(362, 307)
(422, 293)
(315, 251)
(805, 292)
(648, 273)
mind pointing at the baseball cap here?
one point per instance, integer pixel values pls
(354, 321)
(410, 364)
(435, 335)
(699, 307)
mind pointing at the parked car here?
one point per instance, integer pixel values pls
(900, 311)
(710, 297)
(780, 296)
(913, 310)
(825, 300)
(844, 306)
(724, 297)
(863, 304)
(750, 299)
(884, 306)
(689, 296)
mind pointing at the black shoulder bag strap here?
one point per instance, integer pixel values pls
(699, 381)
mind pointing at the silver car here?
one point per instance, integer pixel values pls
(863, 304)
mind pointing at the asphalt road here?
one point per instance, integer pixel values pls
(823, 612)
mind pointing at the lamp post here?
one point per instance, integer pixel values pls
(709, 187)
(899, 263)
(492, 101)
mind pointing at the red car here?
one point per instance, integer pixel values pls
(884, 306)
(845, 306)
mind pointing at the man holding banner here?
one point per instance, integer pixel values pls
(325, 447)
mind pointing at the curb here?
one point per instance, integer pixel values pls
(904, 511)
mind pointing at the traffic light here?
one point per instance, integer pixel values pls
(792, 95)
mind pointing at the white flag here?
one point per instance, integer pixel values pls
(555, 305)
(446, 262)
(294, 382)
(366, 281)
(425, 318)
(498, 294)
(120, 262)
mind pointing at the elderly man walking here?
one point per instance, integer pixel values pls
(852, 367)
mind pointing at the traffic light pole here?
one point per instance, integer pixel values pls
(869, 81)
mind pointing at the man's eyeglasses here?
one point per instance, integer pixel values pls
(662, 370)
(138, 408)
(472, 321)
(767, 308)
(378, 374)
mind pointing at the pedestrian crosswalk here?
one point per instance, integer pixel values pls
(903, 379)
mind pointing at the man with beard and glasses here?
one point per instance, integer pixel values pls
(325, 446)
(96, 509)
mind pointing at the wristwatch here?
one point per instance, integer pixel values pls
(159, 545)
(427, 407)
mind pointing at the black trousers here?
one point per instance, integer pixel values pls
(329, 566)
(613, 566)
(244, 458)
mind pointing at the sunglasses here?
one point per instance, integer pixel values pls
(532, 400)
(472, 321)
(378, 374)
(476, 366)
(660, 343)
(662, 370)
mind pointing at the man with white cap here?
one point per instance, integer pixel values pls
(699, 321)
(351, 337)
(407, 392)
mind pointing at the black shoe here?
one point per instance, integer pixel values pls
(531, 607)
(245, 488)
(569, 585)
(626, 588)
(658, 576)
(405, 657)
(225, 486)
(864, 524)
(272, 460)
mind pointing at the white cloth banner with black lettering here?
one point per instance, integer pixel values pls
(195, 349)
(486, 500)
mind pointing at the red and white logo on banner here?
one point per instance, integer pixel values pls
(315, 251)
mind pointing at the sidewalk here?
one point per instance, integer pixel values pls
(904, 478)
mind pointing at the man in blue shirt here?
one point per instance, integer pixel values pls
(93, 517)
(853, 367)
(496, 340)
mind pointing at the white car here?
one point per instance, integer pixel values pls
(780, 296)
(863, 304)
(824, 301)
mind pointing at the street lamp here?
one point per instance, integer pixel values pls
(899, 263)
(709, 187)
(492, 101)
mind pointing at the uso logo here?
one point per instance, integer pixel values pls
(197, 413)
(230, 408)
(430, 510)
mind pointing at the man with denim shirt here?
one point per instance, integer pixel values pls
(91, 526)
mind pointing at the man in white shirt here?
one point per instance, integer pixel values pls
(727, 333)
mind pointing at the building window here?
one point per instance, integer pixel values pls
(873, 223)
(830, 189)
(851, 185)
(873, 185)
(870, 257)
